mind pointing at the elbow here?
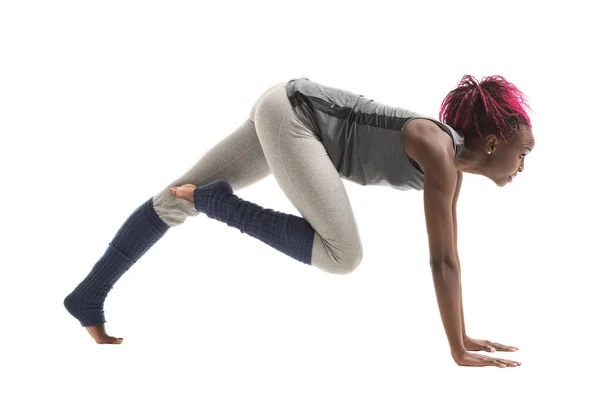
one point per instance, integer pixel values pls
(444, 270)
(437, 263)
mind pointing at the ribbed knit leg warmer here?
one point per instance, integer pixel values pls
(140, 231)
(290, 234)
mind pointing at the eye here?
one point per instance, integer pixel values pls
(522, 156)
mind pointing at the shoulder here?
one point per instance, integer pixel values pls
(432, 148)
(422, 135)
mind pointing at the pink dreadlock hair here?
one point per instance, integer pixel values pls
(492, 106)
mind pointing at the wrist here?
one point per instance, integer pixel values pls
(458, 354)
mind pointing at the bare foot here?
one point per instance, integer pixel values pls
(184, 192)
(99, 334)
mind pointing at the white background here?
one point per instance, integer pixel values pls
(104, 103)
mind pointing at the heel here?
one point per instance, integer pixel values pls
(134, 238)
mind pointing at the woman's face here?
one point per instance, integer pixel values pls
(506, 159)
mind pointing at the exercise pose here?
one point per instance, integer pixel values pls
(311, 136)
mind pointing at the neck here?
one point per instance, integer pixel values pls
(469, 161)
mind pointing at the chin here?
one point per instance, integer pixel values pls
(506, 181)
(503, 182)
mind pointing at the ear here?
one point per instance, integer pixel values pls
(491, 143)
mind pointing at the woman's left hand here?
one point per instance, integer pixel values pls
(486, 345)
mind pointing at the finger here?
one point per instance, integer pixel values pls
(485, 360)
(502, 347)
(489, 346)
(500, 360)
(505, 364)
(509, 363)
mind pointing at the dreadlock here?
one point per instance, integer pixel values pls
(494, 105)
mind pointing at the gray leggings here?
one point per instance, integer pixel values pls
(274, 140)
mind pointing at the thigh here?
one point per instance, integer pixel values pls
(238, 158)
(302, 168)
(253, 109)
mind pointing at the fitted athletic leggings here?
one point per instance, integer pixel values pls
(272, 140)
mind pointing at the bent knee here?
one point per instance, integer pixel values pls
(347, 264)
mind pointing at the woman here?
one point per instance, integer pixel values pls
(310, 136)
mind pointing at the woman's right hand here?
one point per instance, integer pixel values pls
(467, 359)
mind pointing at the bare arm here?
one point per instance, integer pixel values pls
(439, 188)
(459, 177)
(470, 343)
(433, 150)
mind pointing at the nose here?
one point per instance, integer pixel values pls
(522, 166)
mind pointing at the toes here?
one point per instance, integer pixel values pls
(115, 340)
(109, 340)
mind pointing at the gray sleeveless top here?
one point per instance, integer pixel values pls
(363, 138)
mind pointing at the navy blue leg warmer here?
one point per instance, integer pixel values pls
(290, 234)
(140, 231)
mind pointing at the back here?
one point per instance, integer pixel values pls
(363, 138)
